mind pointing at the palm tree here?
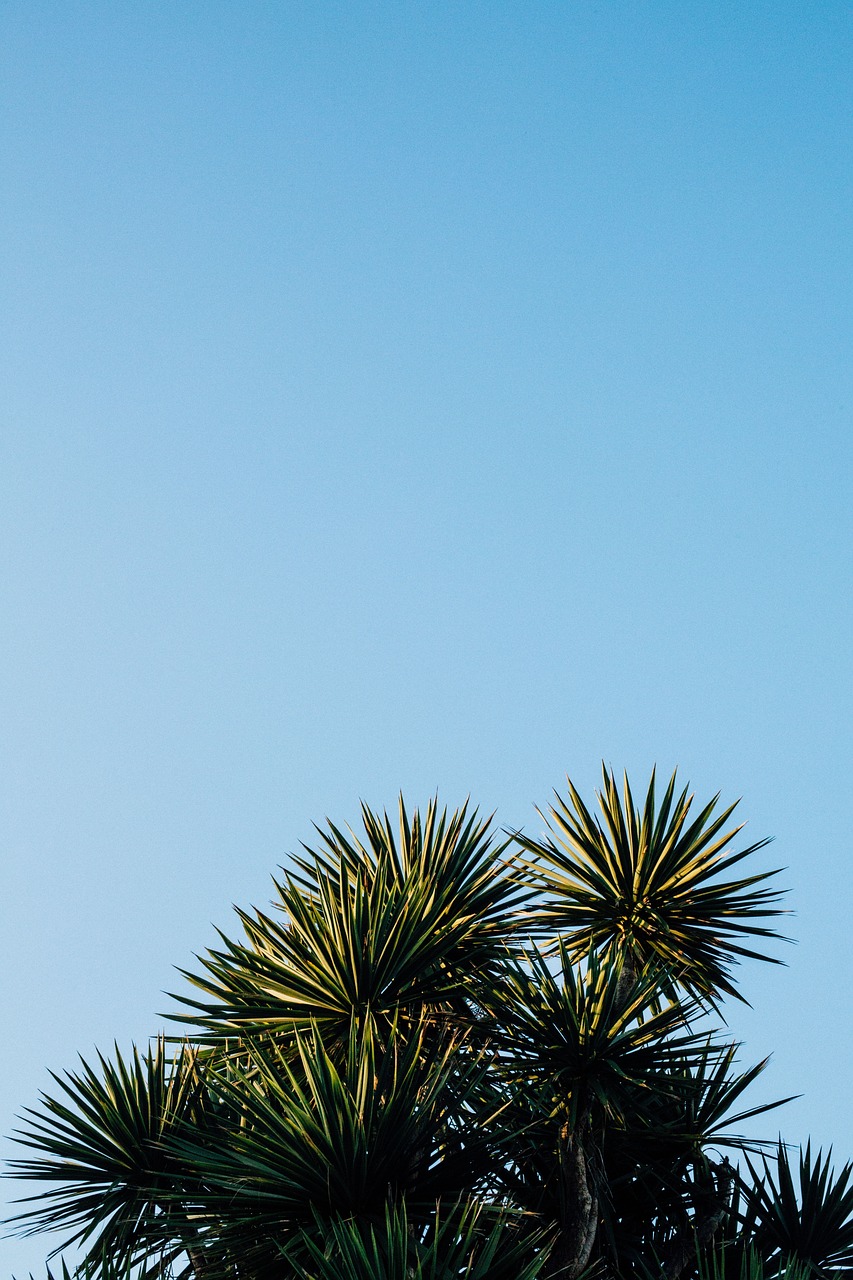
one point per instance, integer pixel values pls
(444, 1054)
(644, 885)
(780, 1216)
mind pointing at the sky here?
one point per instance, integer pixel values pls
(437, 398)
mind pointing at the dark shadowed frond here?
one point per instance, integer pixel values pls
(728, 1261)
(803, 1214)
(338, 1135)
(464, 1242)
(594, 1038)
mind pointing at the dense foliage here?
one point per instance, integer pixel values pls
(444, 1054)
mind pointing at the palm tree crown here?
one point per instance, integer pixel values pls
(444, 1054)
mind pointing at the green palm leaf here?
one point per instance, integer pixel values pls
(399, 922)
(320, 1135)
(590, 1037)
(102, 1145)
(387, 1083)
(645, 884)
(64, 1274)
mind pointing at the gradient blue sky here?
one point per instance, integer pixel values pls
(414, 396)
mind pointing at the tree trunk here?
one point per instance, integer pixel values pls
(579, 1209)
(710, 1209)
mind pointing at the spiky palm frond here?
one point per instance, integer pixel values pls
(710, 1090)
(657, 1168)
(467, 1241)
(589, 1036)
(807, 1217)
(733, 1262)
(322, 1135)
(644, 1099)
(102, 1144)
(399, 922)
(64, 1274)
(584, 1048)
(645, 884)
(391, 1085)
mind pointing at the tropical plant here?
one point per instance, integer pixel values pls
(447, 1055)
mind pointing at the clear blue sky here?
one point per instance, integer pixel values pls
(414, 396)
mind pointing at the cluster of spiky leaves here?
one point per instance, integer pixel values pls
(644, 884)
(781, 1214)
(445, 1056)
(372, 930)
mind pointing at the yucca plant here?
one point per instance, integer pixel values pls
(645, 884)
(392, 924)
(798, 1215)
(115, 1184)
(444, 1055)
